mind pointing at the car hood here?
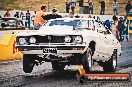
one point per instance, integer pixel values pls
(54, 30)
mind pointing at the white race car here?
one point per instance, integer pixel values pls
(69, 41)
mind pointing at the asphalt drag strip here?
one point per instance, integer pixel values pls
(12, 75)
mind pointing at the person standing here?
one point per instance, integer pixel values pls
(102, 3)
(22, 18)
(7, 14)
(125, 31)
(113, 26)
(54, 15)
(27, 22)
(32, 20)
(107, 24)
(33, 16)
(128, 7)
(38, 20)
(67, 6)
(121, 27)
(90, 5)
(18, 19)
(114, 6)
(71, 15)
(81, 6)
(73, 4)
(21, 15)
(16, 15)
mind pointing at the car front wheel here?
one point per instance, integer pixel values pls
(28, 63)
(87, 60)
(110, 66)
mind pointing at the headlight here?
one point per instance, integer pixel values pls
(22, 41)
(67, 39)
(32, 40)
(78, 39)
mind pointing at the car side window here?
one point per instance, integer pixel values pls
(88, 24)
(82, 24)
(91, 24)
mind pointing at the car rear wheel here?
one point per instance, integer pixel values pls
(28, 63)
(110, 66)
(57, 66)
(87, 60)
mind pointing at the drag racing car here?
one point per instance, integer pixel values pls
(9, 23)
(70, 41)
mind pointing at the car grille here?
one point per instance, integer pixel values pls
(49, 39)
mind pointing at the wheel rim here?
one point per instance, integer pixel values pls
(114, 61)
(31, 64)
(89, 58)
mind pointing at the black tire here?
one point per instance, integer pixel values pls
(57, 66)
(87, 60)
(110, 66)
(28, 63)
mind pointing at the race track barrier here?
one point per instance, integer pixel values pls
(129, 24)
(7, 48)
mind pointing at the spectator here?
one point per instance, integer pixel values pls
(77, 16)
(128, 7)
(114, 26)
(7, 14)
(73, 4)
(21, 15)
(71, 15)
(121, 27)
(114, 6)
(90, 5)
(125, 31)
(28, 13)
(98, 18)
(54, 15)
(32, 18)
(114, 18)
(81, 6)
(16, 15)
(27, 22)
(89, 16)
(107, 24)
(18, 19)
(38, 20)
(102, 11)
(67, 6)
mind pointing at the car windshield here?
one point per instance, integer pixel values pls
(77, 24)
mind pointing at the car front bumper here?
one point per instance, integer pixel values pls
(52, 49)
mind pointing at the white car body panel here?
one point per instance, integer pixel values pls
(105, 43)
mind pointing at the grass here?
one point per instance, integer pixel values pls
(6, 2)
(60, 5)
